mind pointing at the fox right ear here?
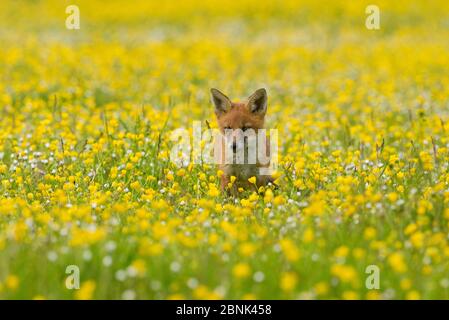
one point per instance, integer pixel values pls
(221, 102)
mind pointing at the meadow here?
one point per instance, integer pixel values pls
(86, 180)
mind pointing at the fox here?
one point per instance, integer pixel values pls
(236, 122)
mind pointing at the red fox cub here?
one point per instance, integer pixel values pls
(240, 123)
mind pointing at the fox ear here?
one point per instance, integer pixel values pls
(257, 102)
(220, 101)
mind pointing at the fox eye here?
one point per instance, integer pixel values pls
(245, 128)
(227, 127)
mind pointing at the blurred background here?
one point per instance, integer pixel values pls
(148, 44)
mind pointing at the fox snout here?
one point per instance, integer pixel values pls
(237, 139)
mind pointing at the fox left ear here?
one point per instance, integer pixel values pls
(257, 102)
(221, 101)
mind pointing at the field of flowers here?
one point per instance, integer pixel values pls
(86, 180)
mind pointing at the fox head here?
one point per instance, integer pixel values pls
(240, 118)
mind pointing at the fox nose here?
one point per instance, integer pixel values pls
(234, 146)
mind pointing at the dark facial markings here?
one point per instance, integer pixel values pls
(244, 128)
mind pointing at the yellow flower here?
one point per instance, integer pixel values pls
(3, 168)
(241, 270)
(213, 190)
(308, 235)
(252, 180)
(170, 176)
(181, 172)
(341, 252)
(202, 292)
(410, 228)
(393, 196)
(176, 296)
(12, 282)
(135, 185)
(413, 295)
(406, 284)
(86, 291)
(268, 196)
(288, 281)
(249, 296)
(396, 261)
(290, 250)
(345, 273)
(140, 266)
(350, 295)
(151, 249)
(417, 239)
(373, 295)
(321, 288)
(247, 249)
(369, 233)
(358, 253)
(279, 200)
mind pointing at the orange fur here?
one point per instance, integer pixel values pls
(238, 115)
